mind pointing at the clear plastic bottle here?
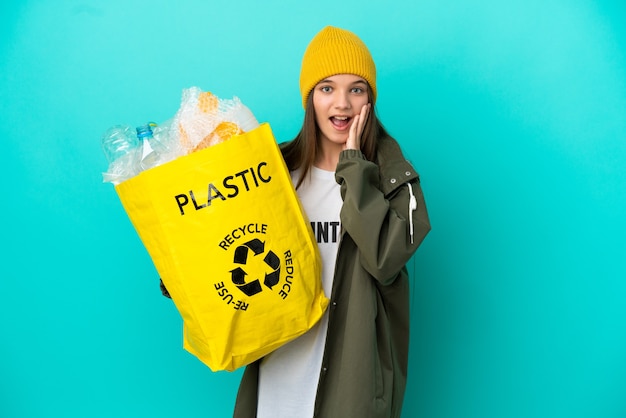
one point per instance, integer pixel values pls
(121, 148)
(118, 141)
(149, 157)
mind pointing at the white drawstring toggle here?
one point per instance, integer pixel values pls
(412, 207)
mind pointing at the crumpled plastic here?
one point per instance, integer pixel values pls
(202, 120)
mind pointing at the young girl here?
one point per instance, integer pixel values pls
(367, 211)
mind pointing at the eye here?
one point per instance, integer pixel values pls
(357, 90)
(326, 89)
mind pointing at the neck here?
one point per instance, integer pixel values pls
(328, 156)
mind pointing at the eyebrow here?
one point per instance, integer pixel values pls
(327, 80)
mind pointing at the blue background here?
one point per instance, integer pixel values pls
(514, 113)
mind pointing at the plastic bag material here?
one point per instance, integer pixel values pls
(202, 120)
(228, 236)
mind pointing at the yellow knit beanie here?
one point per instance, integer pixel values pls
(335, 51)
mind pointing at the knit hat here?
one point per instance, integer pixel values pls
(335, 51)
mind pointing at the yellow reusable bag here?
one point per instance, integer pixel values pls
(227, 234)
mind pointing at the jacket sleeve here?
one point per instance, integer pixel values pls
(378, 222)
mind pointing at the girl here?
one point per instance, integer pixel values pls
(367, 210)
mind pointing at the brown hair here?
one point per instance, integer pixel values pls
(301, 151)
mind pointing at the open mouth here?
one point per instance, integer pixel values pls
(340, 122)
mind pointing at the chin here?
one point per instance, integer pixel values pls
(340, 139)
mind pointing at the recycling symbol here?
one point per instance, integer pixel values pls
(272, 275)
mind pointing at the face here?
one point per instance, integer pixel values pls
(336, 101)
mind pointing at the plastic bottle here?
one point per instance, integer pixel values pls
(149, 157)
(121, 148)
(118, 141)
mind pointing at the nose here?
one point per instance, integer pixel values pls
(342, 100)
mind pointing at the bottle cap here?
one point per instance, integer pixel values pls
(145, 131)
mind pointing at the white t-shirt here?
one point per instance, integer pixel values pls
(288, 377)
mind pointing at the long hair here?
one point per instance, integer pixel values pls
(300, 153)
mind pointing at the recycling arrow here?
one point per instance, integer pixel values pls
(272, 260)
(238, 275)
(241, 252)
